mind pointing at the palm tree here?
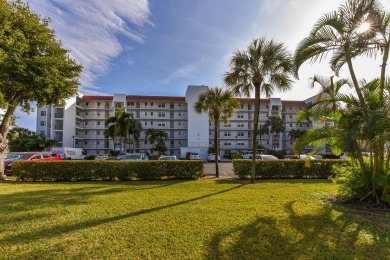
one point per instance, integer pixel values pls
(218, 104)
(119, 124)
(161, 137)
(263, 130)
(265, 66)
(330, 89)
(151, 136)
(357, 129)
(339, 32)
(275, 125)
(134, 129)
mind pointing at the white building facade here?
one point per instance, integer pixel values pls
(80, 123)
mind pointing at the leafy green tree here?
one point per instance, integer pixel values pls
(219, 104)
(22, 139)
(161, 137)
(265, 66)
(151, 135)
(296, 133)
(34, 67)
(276, 126)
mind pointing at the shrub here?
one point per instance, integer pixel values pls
(106, 170)
(236, 156)
(154, 157)
(90, 157)
(355, 185)
(286, 169)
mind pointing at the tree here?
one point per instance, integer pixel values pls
(340, 32)
(296, 133)
(263, 130)
(276, 126)
(134, 129)
(219, 104)
(357, 129)
(22, 139)
(161, 137)
(34, 67)
(151, 136)
(265, 66)
(118, 126)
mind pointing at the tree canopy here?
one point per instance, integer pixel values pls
(34, 66)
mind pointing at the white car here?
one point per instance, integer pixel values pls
(211, 157)
(195, 156)
(266, 157)
(248, 155)
(168, 158)
(135, 157)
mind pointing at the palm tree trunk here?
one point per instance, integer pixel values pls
(383, 70)
(216, 146)
(254, 137)
(353, 76)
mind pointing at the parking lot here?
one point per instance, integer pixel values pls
(225, 169)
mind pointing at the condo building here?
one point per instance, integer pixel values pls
(80, 123)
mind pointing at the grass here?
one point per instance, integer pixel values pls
(204, 219)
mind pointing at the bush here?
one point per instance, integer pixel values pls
(90, 157)
(286, 169)
(154, 157)
(355, 186)
(106, 170)
(236, 156)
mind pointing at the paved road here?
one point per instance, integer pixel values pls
(225, 169)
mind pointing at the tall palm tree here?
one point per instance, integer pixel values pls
(219, 104)
(161, 137)
(276, 126)
(265, 66)
(134, 129)
(151, 136)
(263, 130)
(338, 32)
(119, 124)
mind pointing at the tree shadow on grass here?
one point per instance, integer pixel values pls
(30, 236)
(324, 235)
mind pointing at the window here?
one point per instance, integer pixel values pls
(97, 142)
(146, 142)
(161, 104)
(227, 134)
(86, 104)
(240, 134)
(151, 113)
(242, 106)
(98, 104)
(98, 123)
(240, 115)
(240, 125)
(146, 113)
(227, 144)
(146, 123)
(151, 104)
(300, 125)
(43, 113)
(43, 123)
(42, 132)
(179, 113)
(161, 114)
(151, 123)
(146, 104)
(290, 116)
(98, 132)
(290, 125)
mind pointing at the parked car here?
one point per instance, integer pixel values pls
(248, 155)
(135, 157)
(101, 157)
(211, 157)
(266, 157)
(195, 156)
(168, 157)
(29, 156)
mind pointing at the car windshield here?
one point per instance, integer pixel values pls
(21, 156)
(132, 157)
(195, 154)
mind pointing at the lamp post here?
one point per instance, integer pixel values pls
(73, 141)
(236, 144)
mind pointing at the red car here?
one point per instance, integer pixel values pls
(29, 156)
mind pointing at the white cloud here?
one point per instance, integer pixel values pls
(90, 29)
(182, 72)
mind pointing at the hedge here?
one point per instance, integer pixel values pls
(286, 169)
(106, 170)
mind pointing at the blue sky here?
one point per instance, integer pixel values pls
(158, 47)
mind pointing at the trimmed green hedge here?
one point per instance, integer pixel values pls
(286, 169)
(106, 170)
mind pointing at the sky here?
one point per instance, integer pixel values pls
(159, 47)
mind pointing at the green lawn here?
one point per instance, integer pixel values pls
(204, 219)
